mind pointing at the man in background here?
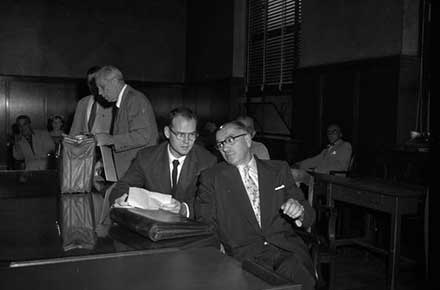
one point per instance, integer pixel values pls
(336, 156)
(172, 167)
(257, 148)
(92, 115)
(32, 146)
(134, 123)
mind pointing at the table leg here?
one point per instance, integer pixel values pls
(394, 252)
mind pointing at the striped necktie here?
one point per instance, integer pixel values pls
(252, 191)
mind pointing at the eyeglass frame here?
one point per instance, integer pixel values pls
(220, 145)
(181, 135)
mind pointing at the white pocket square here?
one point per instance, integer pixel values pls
(279, 187)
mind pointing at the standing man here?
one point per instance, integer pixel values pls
(92, 115)
(134, 123)
(172, 167)
(254, 205)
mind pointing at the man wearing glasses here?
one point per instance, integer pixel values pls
(172, 167)
(255, 206)
(336, 156)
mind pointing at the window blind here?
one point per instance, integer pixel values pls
(273, 43)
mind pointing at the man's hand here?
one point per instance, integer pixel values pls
(293, 209)
(122, 201)
(175, 206)
(104, 139)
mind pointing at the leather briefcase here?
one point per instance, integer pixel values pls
(158, 224)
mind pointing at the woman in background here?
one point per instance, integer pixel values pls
(55, 126)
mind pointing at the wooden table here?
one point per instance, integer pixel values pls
(32, 255)
(202, 268)
(381, 195)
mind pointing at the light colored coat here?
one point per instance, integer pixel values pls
(82, 114)
(134, 128)
(38, 159)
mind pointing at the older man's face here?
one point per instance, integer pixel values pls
(108, 88)
(237, 150)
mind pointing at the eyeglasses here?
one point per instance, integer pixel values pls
(331, 132)
(230, 140)
(182, 136)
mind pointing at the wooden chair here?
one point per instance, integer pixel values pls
(350, 168)
(320, 238)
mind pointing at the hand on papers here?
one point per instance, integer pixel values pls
(145, 199)
(122, 201)
(174, 206)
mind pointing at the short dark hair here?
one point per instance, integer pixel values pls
(23, 117)
(184, 112)
(50, 120)
(93, 69)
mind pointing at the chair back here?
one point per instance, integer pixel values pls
(350, 169)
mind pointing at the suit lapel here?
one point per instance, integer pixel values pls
(186, 174)
(265, 185)
(239, 196)
(118, 112)
(162, 170)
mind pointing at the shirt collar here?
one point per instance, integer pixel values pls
(252, 164)
(335, 143)
(121, 93)
(171, 157)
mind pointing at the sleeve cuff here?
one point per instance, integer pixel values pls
(186, 208)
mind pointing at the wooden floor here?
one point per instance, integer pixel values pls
(357, 269)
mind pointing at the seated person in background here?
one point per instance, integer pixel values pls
(207, 138)
(257, 148)
(336, 156)
(93, 114)
(32, 146)
(253, 205)
(55, 126)
(172, 167)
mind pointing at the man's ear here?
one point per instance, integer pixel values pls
(166, 132)
(248, 140)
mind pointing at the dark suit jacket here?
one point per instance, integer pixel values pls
(150, 170)
(134, 128)
(223, 202)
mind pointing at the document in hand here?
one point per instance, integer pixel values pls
(145, 199)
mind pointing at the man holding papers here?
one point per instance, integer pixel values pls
(255, 206)
(172, 167)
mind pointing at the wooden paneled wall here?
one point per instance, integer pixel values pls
(373, 100)
(41, 97)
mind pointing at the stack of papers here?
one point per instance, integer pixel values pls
(145, 199)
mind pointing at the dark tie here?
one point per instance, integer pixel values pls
(92, 116)
(115, 110)
(174, 175)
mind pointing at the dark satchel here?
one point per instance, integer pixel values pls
(78, 161)
(76, 206)
(158, 225)
(77, 221)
